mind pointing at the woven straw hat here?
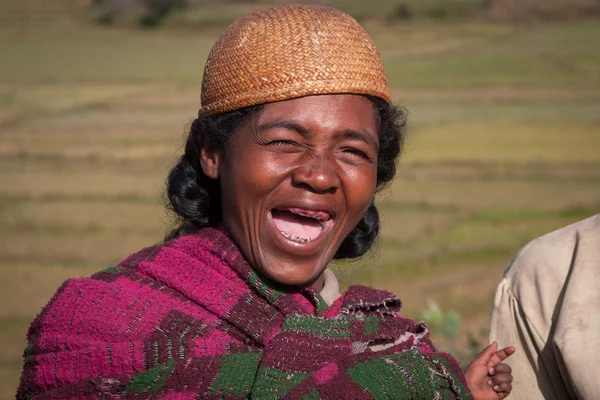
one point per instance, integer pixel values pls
(287, 52)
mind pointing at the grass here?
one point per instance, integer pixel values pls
(503, 148)
(561, 54)
(524, 143)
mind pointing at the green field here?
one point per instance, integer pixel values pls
(504, 146)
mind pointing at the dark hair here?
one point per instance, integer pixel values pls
(196, 198)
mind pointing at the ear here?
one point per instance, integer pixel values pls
(210, 156)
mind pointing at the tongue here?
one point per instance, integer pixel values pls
(293, 224)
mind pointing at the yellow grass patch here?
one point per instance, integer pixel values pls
(506, 142)
(97, 249)
(30, 286)
(65, 215)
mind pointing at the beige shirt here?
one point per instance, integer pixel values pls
(548, 308)
(331, 287)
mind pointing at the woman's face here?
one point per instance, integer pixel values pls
(296, 178)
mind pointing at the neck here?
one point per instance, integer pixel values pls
(319, 283)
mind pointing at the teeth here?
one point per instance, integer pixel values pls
(296, 238)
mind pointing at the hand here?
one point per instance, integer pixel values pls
(487, 377)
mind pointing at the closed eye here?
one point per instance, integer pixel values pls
(356, 152)
(281, 143)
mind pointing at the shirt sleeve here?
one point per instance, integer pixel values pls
(511, 327)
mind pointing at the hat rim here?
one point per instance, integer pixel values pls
(300, 89)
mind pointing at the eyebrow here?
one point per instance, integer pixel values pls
(363, 136)
(289, 125)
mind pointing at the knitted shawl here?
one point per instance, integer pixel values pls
(191, 319)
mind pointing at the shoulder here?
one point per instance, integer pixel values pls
(543, 264)
(553, 250)
(123, 301)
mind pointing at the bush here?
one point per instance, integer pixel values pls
(159, 10)
(401, 12)
(541, 10)
(152, 20)
(442, 323)
(108, 11)
(452, 9)
(436, 9)
(450, 334)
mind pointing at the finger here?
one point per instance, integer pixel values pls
(487, 353)
(499, 356)
(501, 378)
(499, 369)
(502, 388)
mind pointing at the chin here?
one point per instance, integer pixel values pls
(294, 276)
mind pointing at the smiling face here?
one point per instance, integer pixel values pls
(296, 178)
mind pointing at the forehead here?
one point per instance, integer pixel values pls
(324, 112)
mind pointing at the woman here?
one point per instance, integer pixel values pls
(295, 135)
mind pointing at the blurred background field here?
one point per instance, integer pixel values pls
(504, 144)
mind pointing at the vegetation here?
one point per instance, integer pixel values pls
(203, 13)
(504, 146)
(543, 10)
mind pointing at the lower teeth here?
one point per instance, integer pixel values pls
(295, 238)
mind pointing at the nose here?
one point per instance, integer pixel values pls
(318, 174)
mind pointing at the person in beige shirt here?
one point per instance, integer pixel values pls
(548, 307)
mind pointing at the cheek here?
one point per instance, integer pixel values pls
(360, 190)
(253, 176)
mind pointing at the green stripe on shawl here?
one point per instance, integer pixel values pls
(28, 351)
(112, 270)
(371, 325)
(274, 383)
(236, 374)
(446, 370)
(330, 327)
(151, 380)
(405, 372)
(314, 395)
(320, 303)
(267, 292)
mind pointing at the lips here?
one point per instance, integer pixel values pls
(298, 224)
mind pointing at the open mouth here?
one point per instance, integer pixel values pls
(300, 225)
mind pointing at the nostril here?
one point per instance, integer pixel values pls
(317, 177)
(317, 186)
(306, 186)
